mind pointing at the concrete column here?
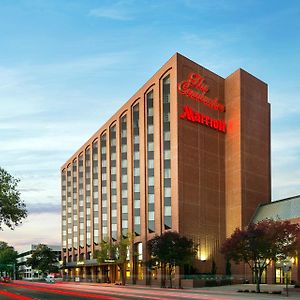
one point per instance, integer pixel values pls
(93, 273)
(71, 274)
(83, 274)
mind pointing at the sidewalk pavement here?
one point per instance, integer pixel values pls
(231, 290)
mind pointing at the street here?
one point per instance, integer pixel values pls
(23, 290)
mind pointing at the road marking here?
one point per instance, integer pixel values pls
(15, 296)
(62, 292)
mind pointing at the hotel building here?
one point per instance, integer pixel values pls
(189, 152)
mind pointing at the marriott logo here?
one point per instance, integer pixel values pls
(202, 119)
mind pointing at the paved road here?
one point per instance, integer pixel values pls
(73, 291)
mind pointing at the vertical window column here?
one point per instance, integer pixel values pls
(124, 180)
(136, 171)
(69, 207)
(167, 153)
(64, 209)
(88, 195)
(75, 216)
(95, 194)
(81, 216)
(150, 161)
(103, 187)
(113, 182)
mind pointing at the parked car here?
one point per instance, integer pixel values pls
(5, 279)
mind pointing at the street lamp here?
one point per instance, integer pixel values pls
(286, 267)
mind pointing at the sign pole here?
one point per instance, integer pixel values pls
(287, 287)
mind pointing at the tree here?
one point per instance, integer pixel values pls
(43, 259)
(261, 243)
(171, 249)
(115, 253)
(12, 208)
(8, 257)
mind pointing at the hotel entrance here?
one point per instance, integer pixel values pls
(280, 276)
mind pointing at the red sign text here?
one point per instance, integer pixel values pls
(202, 119)
(196, 82)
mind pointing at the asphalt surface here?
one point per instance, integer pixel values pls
(23, 290)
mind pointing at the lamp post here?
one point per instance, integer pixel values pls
(286, 267)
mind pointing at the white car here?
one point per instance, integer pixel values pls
(50, 279)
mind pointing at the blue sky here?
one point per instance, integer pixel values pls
(66, 66)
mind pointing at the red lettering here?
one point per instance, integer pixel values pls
(196, 81)
(216, 124)
(197, 117)
(207, 120)
(222, 126)
(187, 114)
(183, 86)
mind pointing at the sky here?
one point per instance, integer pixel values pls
(67, 66)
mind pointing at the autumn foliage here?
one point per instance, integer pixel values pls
(262, 242)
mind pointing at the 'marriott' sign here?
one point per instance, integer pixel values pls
(202, 119)
(196, 81)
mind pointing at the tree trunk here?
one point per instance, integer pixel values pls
(163, 275)
(179, 279)
(257, 280)
(122, 273)
(170, 275)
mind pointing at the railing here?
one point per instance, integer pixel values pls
(208, 277)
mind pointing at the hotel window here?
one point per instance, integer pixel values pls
(81, 219)
(95, 193)
(113, 182)
(150, 161)
(87, 194)
(103, 189)
(64, 209)
(136, 170)
(139, 261)
(166, 152)
(74, 169)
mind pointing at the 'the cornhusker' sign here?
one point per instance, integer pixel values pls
(195, 88)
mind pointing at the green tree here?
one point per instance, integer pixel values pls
(8, 258)
(261, 243)
(115, 253)
(171, 249)
(43, 259)
(12, 208)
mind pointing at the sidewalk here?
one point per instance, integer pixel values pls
(232, 291)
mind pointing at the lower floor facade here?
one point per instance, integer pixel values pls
(275, 273)
(137, 272)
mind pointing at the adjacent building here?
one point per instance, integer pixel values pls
(189, 152)
(25, 272)
(285, 209)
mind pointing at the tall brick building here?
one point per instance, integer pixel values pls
(189, 152)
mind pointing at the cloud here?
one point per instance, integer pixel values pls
(30, 190)
(207, 5)
(37, 228)
(285, 156)
(120, 11)
(43, 208)
(110, 13)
